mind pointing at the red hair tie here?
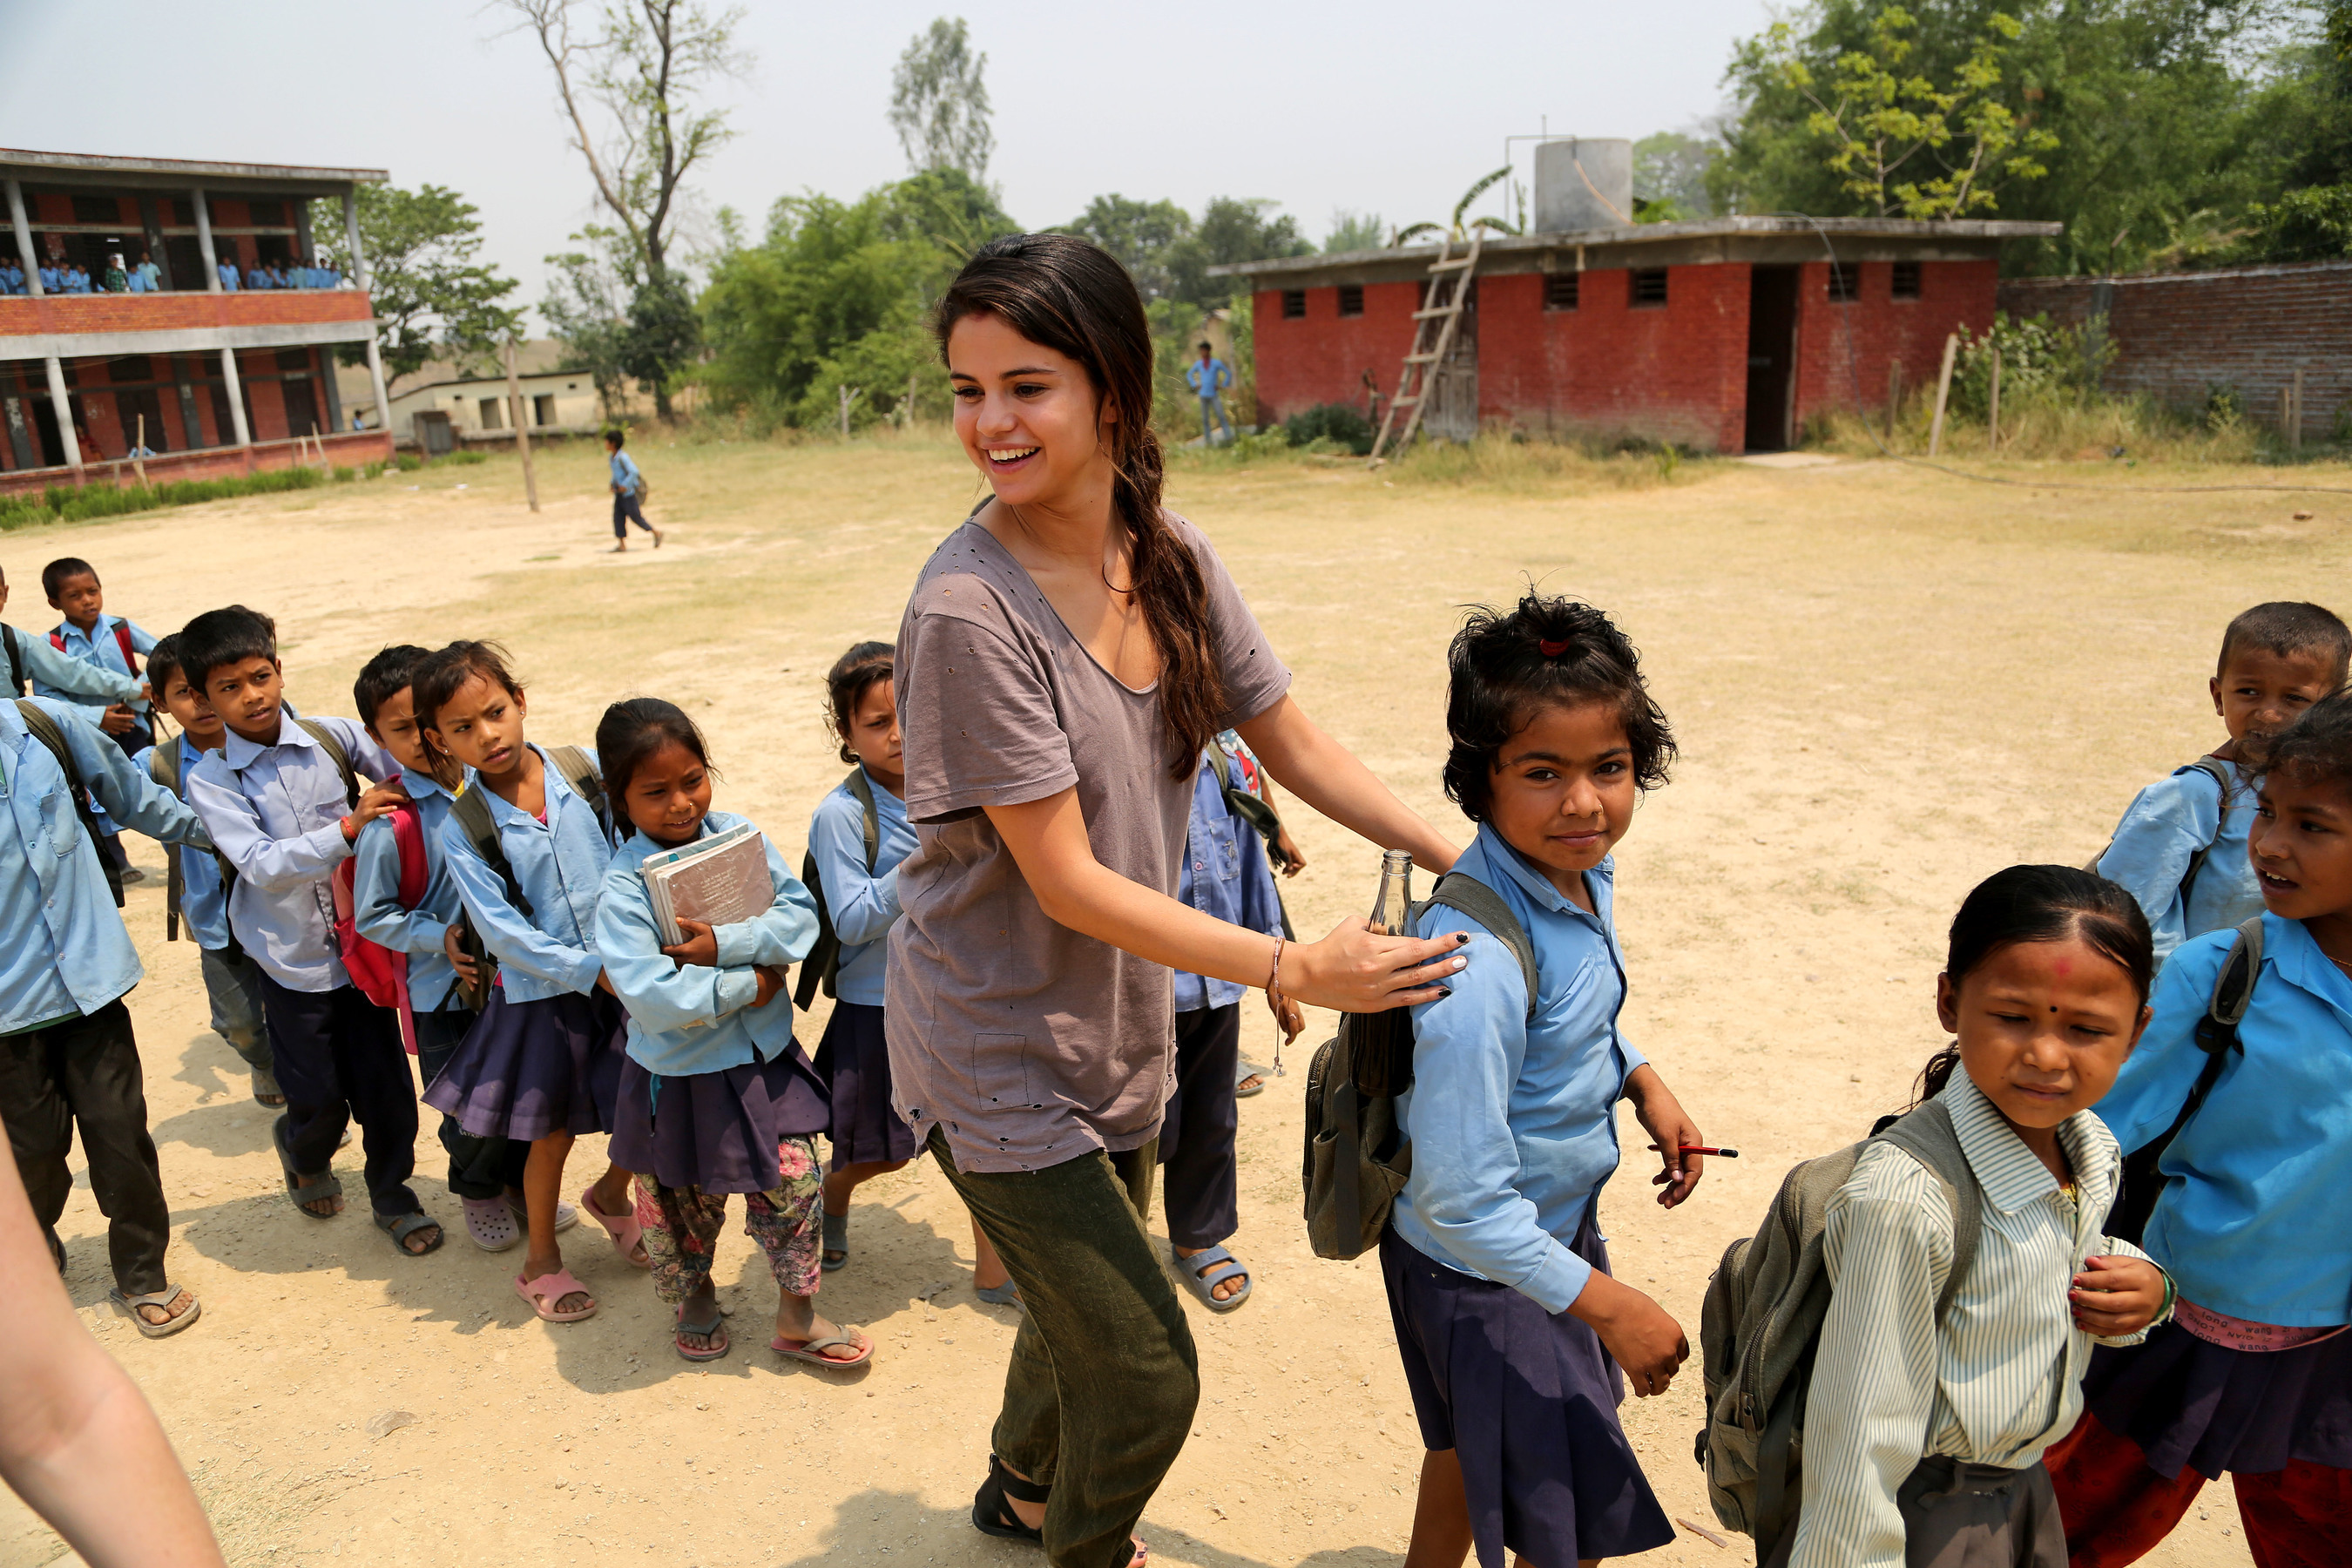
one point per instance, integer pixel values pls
(1550, 649)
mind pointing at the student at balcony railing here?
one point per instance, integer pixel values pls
(77, 279)
(146, 278)
(116, 278)
(228, 276)
(12, 277)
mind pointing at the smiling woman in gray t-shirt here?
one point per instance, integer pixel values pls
(1065, 656)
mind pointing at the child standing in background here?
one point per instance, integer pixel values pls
(90, 636)
(2180, 849)
(628, 494)
(1511, 1329)
(857, 839)
(2254, 1375)
(197, 894)
(542, 1063)
(716, 1097)
(486, 1173)
(33, 659)
(281, 800)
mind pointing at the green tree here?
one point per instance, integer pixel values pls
(939, 101)
(587, 308)
(1230, 229)
(1354, 231)
(1459, 228)
(432, 297)
(1141, 233)
(1670, 176)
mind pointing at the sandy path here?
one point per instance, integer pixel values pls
(1886, 685)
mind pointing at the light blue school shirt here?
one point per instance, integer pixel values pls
(2258, 1198)
(2166, 825)
(862, 906)
(276, 813)
(624, 471)
(228, 276)
(377, 913)
(1513, 1122)
(99, 647)
(1207, 379)
(1225, 874)
(203, 901)
(64, 953)
(559, 864)
(65, 678)
(687, 1019)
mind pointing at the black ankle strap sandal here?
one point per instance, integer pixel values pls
(991, 1513)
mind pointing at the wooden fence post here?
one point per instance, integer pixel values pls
(1943, 391)
(139, 465)
(1994, 420)
(521, 428)
(2295, 425)
(1894, 392)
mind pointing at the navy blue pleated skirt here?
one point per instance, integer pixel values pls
(855, 1059)
(527, 1069)
(2186, 1400)
(1527, 1401)
(717, 1130)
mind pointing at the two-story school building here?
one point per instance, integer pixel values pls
(179, 313)
(1721, 334)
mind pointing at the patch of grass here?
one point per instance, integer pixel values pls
(63, 503)
(2044, 429)
(1499, 461)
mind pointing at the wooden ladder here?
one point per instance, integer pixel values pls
(1435, 327)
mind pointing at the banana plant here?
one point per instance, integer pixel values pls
(1458, 229)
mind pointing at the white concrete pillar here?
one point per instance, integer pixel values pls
(360, 281)
(204, 241)
(64, 406)
(235, 397)
(26, 255)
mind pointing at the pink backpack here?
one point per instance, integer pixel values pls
(382, 974)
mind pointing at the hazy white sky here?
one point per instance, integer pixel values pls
(1379, 106)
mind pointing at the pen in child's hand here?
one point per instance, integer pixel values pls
(1701, 1149)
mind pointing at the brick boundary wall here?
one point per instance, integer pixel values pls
(350, 450)
(2177, 335)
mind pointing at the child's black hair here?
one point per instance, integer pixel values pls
(616, 437)
(228, 636)
(163, 659)
(2041, 903)
(634, 728)
(391, 672)
(444, 674)
(2289, 627)
(853, 675)
(2315, 749)
(53, 575)
(1503, 666)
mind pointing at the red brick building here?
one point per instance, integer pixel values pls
(1722, 334)
(219, 379)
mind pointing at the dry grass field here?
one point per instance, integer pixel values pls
(1887, 682)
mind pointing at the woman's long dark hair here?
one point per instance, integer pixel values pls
(2041, 903)
(1068, 295)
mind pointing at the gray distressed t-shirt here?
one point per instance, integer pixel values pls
(1028, 1042)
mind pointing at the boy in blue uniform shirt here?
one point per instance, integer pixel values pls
(34, 661)
(486, 1173)
(69, 1060)
(2180, 849)
(90, 636)
(284, 811)
(232, 981)
(628, 494)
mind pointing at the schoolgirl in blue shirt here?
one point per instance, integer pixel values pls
(542, 1063)
(2180, 849)
(1512, 1331)
(716, 1097)
(2254, 1375)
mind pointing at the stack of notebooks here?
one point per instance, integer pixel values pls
(718, 881)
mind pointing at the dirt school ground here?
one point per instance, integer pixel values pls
(1887, 683)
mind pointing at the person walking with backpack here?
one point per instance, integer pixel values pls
(629, 492)
(2180, 849)
(1065, 655)
(857, 838)
(1962, 1312)
(2242, 1090)
(1512, 1331)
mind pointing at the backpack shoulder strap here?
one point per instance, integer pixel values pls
(415, 866)
(332, 744)
(123, 641)
(163, 764)
(861, 787)
(1928, 1136)
(44, 730)
(471, 811)
(16, 661)
(1464, 894)
(1221, 763)
(2233, 991)
(58, 640)
(580, 775)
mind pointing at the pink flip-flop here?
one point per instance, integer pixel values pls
(626, 1232)
(543, 1292)
(808, 1349)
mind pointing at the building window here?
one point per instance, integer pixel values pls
(130, 367)
(542, 408)
(296, 361)
(97, 209)
(1351, 299)
(1559, 290)
(493, 419)
(1907, 280)
(1845, 281)
(1647, 286)
(1294, 304)
(267, 215)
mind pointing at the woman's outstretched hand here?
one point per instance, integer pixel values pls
(1357, 969)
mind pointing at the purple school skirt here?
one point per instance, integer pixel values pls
(855, 1059)
(527, 1069)
(2186, 1400)
(1527, 1400)
(717, 1130)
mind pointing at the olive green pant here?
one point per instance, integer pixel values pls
(1104, 1378)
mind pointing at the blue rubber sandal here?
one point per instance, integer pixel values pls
(1210, 1267)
